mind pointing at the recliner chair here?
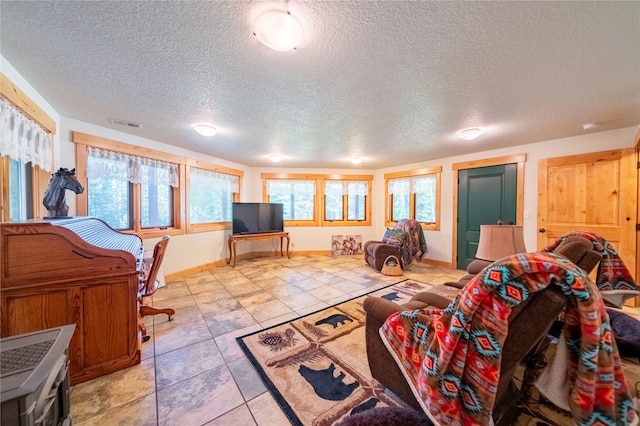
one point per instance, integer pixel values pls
(528, 326)
(405, 241)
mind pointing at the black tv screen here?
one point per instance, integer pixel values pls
(255, 218)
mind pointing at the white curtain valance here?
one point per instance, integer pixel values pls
(346, 187)
(422, 184)
(291, 186)
(416, 184)
(22, 138)
(399, 186)
(205, 179)
(102, 163)
(334, 189)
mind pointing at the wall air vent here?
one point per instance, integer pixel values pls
(125, 123)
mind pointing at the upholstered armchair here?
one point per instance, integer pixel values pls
(405, 241)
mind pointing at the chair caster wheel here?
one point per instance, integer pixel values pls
(170, 317)
(146, 338)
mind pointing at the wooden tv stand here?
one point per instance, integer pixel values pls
(234, 238)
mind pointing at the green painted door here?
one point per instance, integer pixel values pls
(486, 195)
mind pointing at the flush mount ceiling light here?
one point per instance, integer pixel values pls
(275, 158)
(278, 30)
(356, 160)
(205, 129)
(469, 133)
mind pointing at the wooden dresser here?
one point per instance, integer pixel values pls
(74, 271)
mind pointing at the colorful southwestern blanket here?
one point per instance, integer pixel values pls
(614, 280)
(451, 357)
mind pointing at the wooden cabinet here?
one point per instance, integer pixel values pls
(51, 277)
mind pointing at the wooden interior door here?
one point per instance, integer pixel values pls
(594, 192)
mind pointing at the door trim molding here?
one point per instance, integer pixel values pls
(485, 162)
(519, 159)
(636, 302)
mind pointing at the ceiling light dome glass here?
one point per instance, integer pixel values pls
(275, 158)
(205, 129)
(278, 30)
(469, 133)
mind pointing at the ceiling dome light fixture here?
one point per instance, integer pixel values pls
(356, 160)
(275, 158)
(278, 30)
(205, 129)
(469, 133)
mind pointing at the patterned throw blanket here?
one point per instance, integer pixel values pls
(414, 247)
(451, 357)
(614, 280)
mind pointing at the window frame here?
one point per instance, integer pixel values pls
(179, 211)
(209, 226)
(28, 170)
(290, 176)
(345, 201)
(39, 178)
(83, 140)
(39, 184)
(319, 207)
(388, 198)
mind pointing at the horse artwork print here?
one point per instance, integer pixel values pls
(54, 197)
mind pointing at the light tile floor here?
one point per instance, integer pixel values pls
(193, 372)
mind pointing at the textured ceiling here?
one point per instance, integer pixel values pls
(389, 81)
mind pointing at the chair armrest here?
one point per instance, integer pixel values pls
(379, 308)
(375, 253)
(477, 265)
(380, 245)
(381, 364)
(366, 244)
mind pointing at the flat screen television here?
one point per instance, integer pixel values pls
(257, 218)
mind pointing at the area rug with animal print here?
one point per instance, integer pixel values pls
(316, 368)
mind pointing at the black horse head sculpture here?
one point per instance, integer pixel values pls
(54, 196)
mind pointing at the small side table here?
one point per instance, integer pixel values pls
(234, 238)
